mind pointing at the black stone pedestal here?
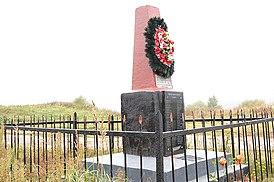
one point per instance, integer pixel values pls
(147, 105)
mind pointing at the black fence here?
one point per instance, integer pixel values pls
(224, 147)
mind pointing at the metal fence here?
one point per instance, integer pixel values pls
(235, 147)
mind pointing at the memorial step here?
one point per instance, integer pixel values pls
(149, 165)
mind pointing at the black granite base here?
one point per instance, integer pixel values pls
(147, 105)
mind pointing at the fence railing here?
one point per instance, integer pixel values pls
(237, 147)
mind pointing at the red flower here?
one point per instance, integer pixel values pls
(222, 161)
(157, 50)
(168, 62)
(140, 119)
(161, 40)
(163, 46)
(157, 42)
(160, 30)
(172, 50)
(239, 159)
(162, 56)
(171, 42)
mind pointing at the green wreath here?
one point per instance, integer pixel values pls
(159, 48)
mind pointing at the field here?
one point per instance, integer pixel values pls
(55, 109)
(13, 167)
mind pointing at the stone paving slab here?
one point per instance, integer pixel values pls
(149, 165)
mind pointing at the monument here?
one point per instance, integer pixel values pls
(143, 76)
(153, 66)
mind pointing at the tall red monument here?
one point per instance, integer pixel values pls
(143, 77)
(153, 65)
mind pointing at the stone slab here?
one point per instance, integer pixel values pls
(147, 105)
(149, 165)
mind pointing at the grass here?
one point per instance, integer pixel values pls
(54, 109)
(13, 169)
(12, 166)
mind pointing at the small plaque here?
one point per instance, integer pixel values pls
(162, 82)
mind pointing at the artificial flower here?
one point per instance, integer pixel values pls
(222, 161)
(164, 48)
(239, 159)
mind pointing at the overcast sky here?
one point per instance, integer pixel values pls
(58, 50)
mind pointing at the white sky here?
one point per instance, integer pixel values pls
(58, 50)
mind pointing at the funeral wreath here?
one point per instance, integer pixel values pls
(159, 47)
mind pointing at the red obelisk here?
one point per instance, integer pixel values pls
(143, 78)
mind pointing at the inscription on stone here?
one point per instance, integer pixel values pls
(174, 104)
(162, 82)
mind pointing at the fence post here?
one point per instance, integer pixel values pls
(5, 131)
(74, 135)
(112, 128)
(159, 148)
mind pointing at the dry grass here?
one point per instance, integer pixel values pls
(12, 166)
